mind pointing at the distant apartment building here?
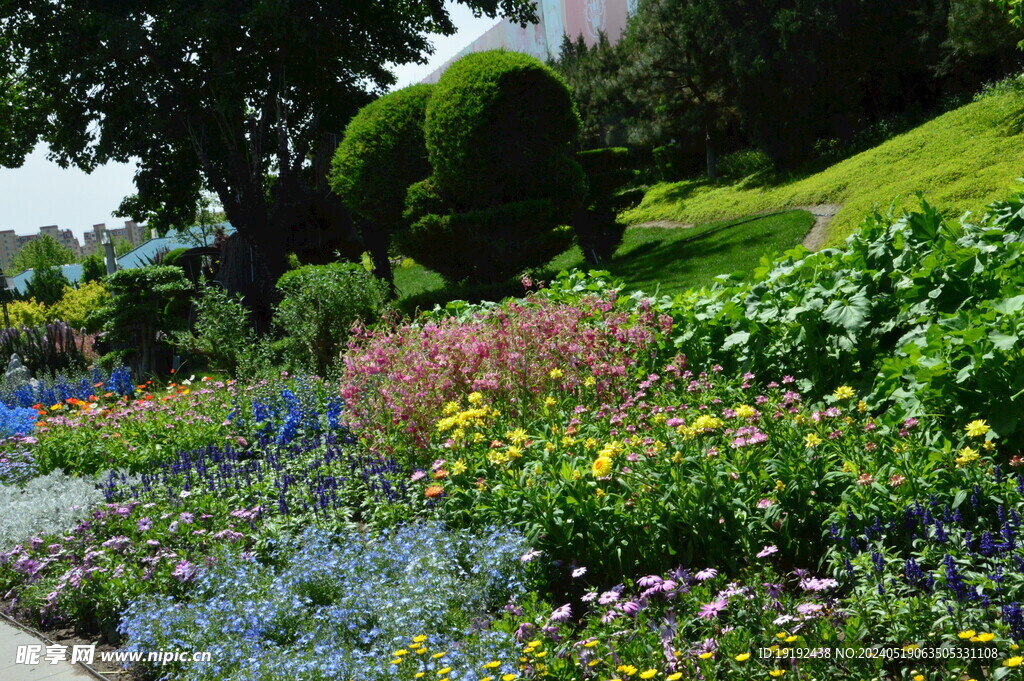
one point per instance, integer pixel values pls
(11, 243)
(131, 232)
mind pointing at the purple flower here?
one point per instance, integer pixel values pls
(709, 610)
(184, 571)
(525, 631)
(561, 614)
(767, 551)
(631, 608)
(417, 476)
(705, 575)
(648, 581)
(815, 584)
(608, 597)
(806, 609)
(187, 518)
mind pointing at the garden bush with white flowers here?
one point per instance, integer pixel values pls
(575, 484)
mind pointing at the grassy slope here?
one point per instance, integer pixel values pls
(652, 258)
(961, 161)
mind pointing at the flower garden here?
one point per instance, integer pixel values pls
(812, 473)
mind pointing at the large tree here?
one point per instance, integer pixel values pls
(243, 97)
(43, 251)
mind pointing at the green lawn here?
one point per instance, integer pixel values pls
(961, 161)
(651, 259)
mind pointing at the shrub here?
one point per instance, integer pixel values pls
(222, 330)
(382, 153)
(78, 306)
(320, 304)
(93, 268)
(46, 285)
(499, 130)
(27, 313)
(741, 164)
(145, 306)
(49, 504)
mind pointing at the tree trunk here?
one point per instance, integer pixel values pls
(378, 242)
(712, 153)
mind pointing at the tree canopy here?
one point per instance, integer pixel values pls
(43, 251)
(243, 97)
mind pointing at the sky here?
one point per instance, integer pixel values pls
(42, 193)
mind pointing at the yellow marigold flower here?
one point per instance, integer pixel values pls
(648, 673)
(590, 381)
(1013, 661)
(601, 467)
(742, 657)
(843, 392)
(517, 436)
(475, 397)
(977, 428)
(812, 440)
(705, 656)
(556, 373)
(967, 455)
(986, 637)
(967, 633)
(745, 411)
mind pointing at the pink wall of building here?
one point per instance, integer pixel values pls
(557, 17)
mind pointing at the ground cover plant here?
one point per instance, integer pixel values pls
(961, 160)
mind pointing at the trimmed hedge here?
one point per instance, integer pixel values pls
(382, 153)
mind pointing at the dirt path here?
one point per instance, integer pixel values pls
(814, 240)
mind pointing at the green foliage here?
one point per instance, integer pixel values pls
(741, 164)
(46, 285)
(961, 160)
(382, 153)
(319, 305)
(222, 331)
(27, 313)
(78, 307)
(146, 304)
(499, 130)
(93, 268)
(39, 253)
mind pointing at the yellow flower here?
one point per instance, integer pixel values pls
(777, 672)
(438, 656)
(492, 664)
(1013, 661)
(602, 466)
(549, 401)
(918, 677)
(419, 675)
(812, 440)
(779, 485)
(745, 411)
(517, 436)
(986, 637)
(400, 652)
(590, 644)
(742, 657)
(451, 408)
(911, 646)
(475, 397)
(599, 493)
(542, 653)
(705, 656)
(590, 381)
(843, 392)
(790, 639)
(967, 634)
(648, 673)
(442, 672)
(674, 677)
(978, 428)
(593, 663)
(458, 468)
(611, 450)
(514, 452)
(397, 660)
(862, 406)
(590, 443)
(967, 455)
(534, 643)
(508, 677)
(487, 678)
(707, 423)
(556, 373)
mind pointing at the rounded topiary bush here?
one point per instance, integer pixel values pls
(382, 153)
(494, 124)
(499, 129)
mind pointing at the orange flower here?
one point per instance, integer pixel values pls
(433, 491)
(440, 474)
(98, 385)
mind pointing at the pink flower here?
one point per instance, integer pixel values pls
(711, 610)
(767, 551)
